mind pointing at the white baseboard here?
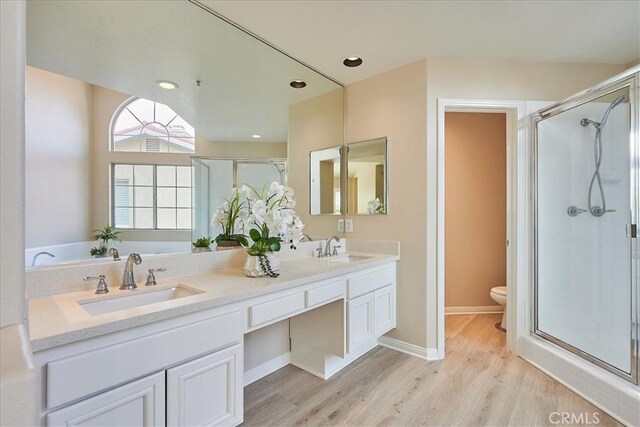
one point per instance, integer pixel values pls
(266, 368)
(410, 349)
(479, 309)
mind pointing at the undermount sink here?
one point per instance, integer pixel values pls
(345, 259)
(101, 305)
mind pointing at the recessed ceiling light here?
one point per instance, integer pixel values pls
(166, 84)
(256, 136)
(298, 84)
(352, 61)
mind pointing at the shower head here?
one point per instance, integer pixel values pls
(617, 102)
(598, 125)
(613, 105)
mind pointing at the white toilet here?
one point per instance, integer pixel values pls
(499, 295)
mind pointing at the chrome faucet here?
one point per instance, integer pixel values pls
(128, 282)
(114, 253)
(327, 249)
(35, 257)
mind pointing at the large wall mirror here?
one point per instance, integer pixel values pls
(122, 95)
(325, 181)
(367, 187)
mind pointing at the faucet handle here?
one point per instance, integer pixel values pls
(151, 278)
(335, 250)
(102, 288)
(320, 252)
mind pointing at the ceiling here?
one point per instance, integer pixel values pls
(388, 34)
(128, 46)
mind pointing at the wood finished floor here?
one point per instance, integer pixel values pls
(478, 384)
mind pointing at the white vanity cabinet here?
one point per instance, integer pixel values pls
(326, 339)
(371, 306)
(191, 370)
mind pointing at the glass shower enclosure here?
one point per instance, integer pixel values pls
(586, 179)
(214, 179)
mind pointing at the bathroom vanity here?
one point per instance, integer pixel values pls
(179, 361)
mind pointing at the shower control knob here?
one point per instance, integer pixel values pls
(575, 211)
(597, 211)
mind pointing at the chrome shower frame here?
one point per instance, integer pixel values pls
(629, 79)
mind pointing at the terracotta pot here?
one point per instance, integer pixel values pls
(253, 267)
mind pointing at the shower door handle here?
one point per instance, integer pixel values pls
(632, 230)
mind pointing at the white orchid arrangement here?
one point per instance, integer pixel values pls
(231, 215)
(268, 215)
(375, 206)
(271, 218)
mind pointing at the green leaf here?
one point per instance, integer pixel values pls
(255, 235)
(243, 241)
(274, 245)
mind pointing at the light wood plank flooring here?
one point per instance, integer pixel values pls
(478, 384)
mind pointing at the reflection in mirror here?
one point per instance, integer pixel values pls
(214, 180)
(367, 177)
(324, 181)
(107, 144)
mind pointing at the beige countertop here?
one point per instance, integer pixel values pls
(59, 319)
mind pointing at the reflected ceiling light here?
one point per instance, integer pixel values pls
(353, 61)
(167, 84)
(256, 136)
(297, 84)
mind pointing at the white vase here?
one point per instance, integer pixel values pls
(253, 267)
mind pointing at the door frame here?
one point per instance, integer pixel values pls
(517, 184)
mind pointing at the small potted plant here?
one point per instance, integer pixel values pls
(231, 216)
(202, 244)
(99, 252)
(105, 236)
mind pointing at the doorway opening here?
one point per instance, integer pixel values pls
(514, 163)
(475, 222)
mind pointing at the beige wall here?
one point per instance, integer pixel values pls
(394, 104)
(247, 150)
(314, 124)
(475, 207)
(58, 132)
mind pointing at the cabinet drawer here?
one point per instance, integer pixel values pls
(87, 373)
(368, 282)
(276, 309)
(325, 293)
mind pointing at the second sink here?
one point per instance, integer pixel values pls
(95, 306)
(344, 259)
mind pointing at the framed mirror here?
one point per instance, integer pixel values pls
(367, 186)
(324, 181)
(122, 95)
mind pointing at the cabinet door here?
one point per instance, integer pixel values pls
(360, 327)
(206, 391)
(140, 403)
(385, 310)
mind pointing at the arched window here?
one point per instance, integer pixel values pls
(151, 193)
(145, 126)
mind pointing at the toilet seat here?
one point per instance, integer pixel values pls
(500, 290)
